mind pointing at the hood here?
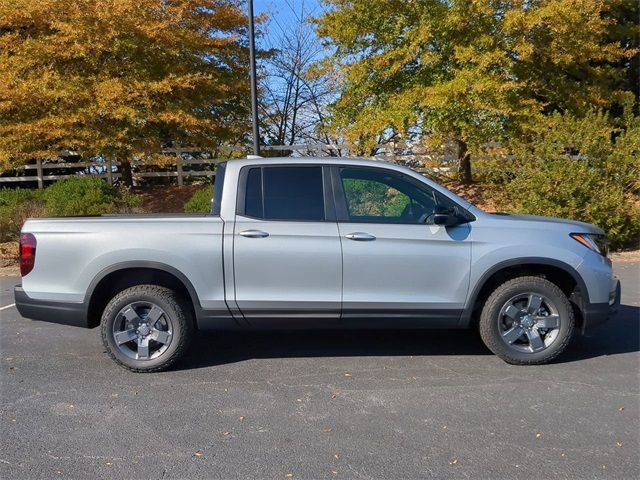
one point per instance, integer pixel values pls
(580, 227)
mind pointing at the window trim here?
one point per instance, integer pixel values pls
(218, 179)
(327, 191)
(339, 195)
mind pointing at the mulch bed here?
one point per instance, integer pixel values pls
(166, 198)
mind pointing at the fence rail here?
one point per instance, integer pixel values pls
(180, 169)
(106, 170)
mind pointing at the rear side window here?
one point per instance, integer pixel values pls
(284, 193)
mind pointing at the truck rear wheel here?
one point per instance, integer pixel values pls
(527, 321)
(146, 328)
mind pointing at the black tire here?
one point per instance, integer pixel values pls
(176, 315)
(490, 320)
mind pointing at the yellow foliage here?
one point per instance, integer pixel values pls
(119, 77)
(470, 70)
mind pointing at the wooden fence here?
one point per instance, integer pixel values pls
(107, 168)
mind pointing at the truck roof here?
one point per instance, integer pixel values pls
(252, 160)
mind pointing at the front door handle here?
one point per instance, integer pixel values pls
(360, 236)
(254, 234)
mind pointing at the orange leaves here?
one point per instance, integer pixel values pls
(119, 75)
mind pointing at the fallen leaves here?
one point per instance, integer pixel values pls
(453, 461)
(327, 429)
(198, 454)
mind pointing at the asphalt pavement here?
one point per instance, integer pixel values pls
(320, 405)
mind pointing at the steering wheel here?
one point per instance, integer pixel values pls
(412, 211)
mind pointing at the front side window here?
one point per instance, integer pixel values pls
(285, 193)
(383, 196)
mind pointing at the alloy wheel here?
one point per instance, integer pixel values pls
(529, 323)
(142, 331)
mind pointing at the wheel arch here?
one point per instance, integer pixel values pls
(117, 277)
(562, 274)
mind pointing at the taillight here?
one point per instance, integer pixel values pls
(27, 253)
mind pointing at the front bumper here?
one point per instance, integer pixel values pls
(64, 313)
(594, 314)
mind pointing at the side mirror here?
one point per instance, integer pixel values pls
(446, 217)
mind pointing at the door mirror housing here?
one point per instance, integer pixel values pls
(447, 217)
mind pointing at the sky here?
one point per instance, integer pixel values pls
(281, 12)
(282, 8)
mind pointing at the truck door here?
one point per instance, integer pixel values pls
(399, 268)
(286, 246)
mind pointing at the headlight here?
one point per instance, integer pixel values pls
(593, 241)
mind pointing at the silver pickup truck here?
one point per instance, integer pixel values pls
(318, 243)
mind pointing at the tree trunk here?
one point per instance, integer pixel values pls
(125, 172)
(464, 163)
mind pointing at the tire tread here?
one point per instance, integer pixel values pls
(495, 344)
(182, 316)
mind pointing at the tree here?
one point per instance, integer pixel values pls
(625, 29)
(293, 103)
(467, 71)
(125, 78)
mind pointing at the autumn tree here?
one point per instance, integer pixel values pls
(125, 78)
(468, 71)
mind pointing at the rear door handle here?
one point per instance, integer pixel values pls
(360, 236)
(254, 234)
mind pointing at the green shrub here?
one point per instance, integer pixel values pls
(68, 197)
(200, 201)
(579, 168)
(87, 196)
(572, 189)
(16, 205)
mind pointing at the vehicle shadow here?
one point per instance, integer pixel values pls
(621, 335)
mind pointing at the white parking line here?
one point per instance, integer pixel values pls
(7, 306)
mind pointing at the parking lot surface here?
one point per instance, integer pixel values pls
(320, 405)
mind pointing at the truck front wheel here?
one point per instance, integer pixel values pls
(146, 328)
(527, 321)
